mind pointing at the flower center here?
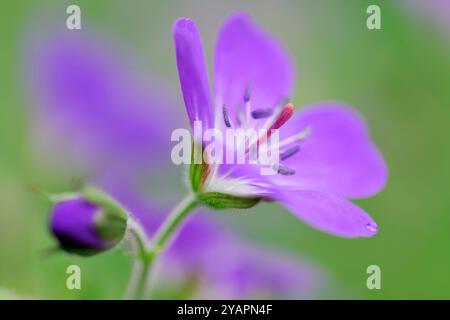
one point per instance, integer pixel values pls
(274, 119)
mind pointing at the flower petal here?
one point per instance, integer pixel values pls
(329, 213)
(72, 222)
(247, 57)
(338, 156)
(192, 71)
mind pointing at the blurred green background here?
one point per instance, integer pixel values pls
(397, 77)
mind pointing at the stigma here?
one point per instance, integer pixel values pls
(283, 116)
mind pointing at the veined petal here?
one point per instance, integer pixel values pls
(330, 213)
(192, 71)
(247, 58)
(338, 155)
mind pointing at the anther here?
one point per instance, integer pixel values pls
(289, 152)
(247, 94)
(226, 117)
(285, 171)
(262, 113)
(300, 136)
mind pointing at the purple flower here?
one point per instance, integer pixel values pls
(90, 121)
(326, 155)
(85, 226)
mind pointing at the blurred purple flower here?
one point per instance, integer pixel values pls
(84, 93)
(436, 12)
(327, 155)
(103, 112)
(241, 271)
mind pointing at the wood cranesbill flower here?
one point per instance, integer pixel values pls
(325, 152)
(122, 124)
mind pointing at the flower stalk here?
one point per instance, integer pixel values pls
(149, 250)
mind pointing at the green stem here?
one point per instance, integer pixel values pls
(143, 280)
(150, 250)
(173, 220)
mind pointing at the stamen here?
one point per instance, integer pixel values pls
(298, 137)
(247, 94)
(248, 106)
(289, 152)
(226, 117)
(302, 135)
(262, 113)
(285, 171)
(239, 116)
(272, 118)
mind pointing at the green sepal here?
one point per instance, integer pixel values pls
(198, 172)
(111, 220)
(110, 227)
(80, 251)
(218, 200)
(105, 201)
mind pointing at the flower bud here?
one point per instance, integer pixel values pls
(87, 223)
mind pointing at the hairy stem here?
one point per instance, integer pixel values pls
(138, 287)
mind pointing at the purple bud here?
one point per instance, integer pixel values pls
(85, 228)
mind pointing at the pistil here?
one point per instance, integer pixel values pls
(280, 120)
